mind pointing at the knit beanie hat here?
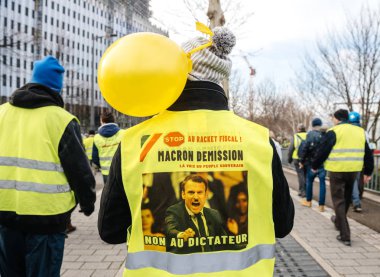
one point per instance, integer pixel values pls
(316, 122)
(341, 115)
(48, 72)
(211, 64)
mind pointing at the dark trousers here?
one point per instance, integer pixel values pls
(341, 184)
(301, 174)
(30, 255)
(105, 178)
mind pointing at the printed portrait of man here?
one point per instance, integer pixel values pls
(190, 219)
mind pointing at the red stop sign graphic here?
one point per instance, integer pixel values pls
(174, 139)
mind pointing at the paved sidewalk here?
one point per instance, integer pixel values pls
(86, 254)
(315, 232)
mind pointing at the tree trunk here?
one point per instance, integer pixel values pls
(215, 13)
(216, 16)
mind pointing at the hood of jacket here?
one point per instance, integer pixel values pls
(33, 96)
(201, 95)
(108, 130)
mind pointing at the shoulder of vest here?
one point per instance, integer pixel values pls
(253, 125)
(60, 111)
(346, 126)
(300, 134)
(5, 105)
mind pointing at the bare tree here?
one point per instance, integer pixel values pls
(346, 70)
(275, 109)
(237, 100)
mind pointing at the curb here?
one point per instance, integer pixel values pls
(368, 194)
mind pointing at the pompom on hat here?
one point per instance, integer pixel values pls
(211, 63)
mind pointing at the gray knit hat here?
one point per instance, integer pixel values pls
(212, 63)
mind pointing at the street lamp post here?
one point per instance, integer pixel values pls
(92, 104)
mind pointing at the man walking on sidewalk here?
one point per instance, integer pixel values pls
(306, 153)
(43, 171)
(202, 109)
(357, 191)
(105, 143)
(345, 152)
(298, 138)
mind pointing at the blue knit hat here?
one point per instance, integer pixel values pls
(316, 122)
(48, 72)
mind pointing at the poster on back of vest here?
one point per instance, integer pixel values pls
(201, 205)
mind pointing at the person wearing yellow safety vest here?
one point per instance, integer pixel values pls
(106, 142)
(295, 143)
(44, 171)
(198, 134)
(88, 143)
(344, 152)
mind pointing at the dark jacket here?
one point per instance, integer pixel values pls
(177, 220)
(114, 213)
(327, 143)
(309, 146)
(107, 130)
(73, 160)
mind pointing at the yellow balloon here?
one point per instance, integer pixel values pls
(143, 74)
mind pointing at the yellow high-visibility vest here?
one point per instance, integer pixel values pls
(107, 148)
(347, 155)
(298, 138)
(32, 181)
(88, 144)
(200, 141)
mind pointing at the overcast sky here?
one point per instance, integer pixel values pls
(279, 31)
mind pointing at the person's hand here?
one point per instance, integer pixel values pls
(88, 211)
(300, 165)
(188, 233)
(314, 170)
(366, 178)
(232, 226)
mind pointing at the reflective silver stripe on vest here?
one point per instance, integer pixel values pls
(105, 168)
(345, 159)
(28, 163)
(35, 187)
(199, 263)
(347, 151)
(105, 158)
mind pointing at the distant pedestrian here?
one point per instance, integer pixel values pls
(276, 143)
(345, 151)
(43, 172)
(306, 153)
(89, 143)
(295, 143)
(358, 188)
(106, 142)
